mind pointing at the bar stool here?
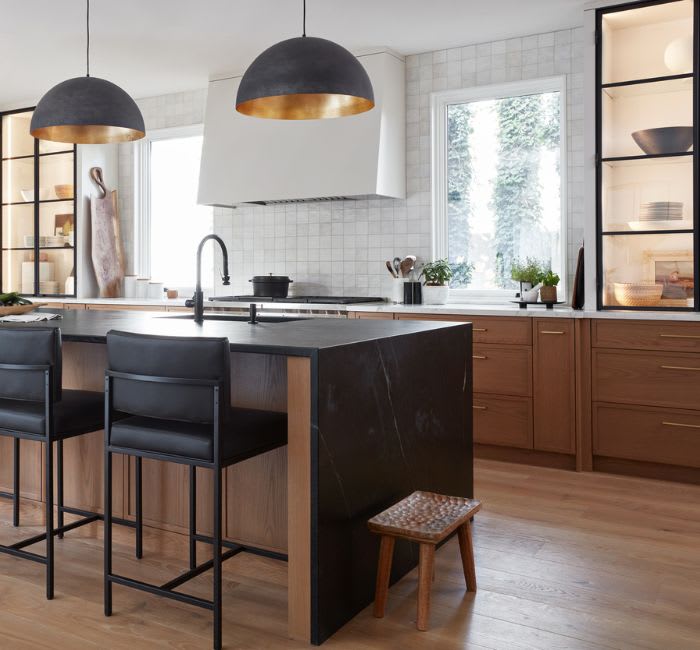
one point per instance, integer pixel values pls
(33, 406)
(176, 392)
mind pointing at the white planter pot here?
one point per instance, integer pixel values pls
(435, 295)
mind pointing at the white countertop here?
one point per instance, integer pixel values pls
(457, 309)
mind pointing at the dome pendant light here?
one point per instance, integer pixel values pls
(305, 78)
(87, 110)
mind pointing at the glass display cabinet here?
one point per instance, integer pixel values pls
(646, 142)
(38, 228)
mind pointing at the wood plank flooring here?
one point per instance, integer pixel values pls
(563, 560)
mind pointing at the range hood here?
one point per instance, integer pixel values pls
(251, 160)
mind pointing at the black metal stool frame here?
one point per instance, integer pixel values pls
(87, 517)
(217, 464)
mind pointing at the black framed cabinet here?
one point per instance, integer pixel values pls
(646, 134)
(39, 211)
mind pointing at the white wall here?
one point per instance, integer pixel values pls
(340, 247)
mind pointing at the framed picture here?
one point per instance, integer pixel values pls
(63, 224)
(672, 269)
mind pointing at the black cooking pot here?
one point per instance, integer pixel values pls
(271, 286)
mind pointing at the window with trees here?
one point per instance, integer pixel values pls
(499, 182)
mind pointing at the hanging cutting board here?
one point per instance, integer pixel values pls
(107, 250)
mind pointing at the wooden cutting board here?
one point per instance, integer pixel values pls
(107, 250)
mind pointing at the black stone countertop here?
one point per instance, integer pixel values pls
(294, 338)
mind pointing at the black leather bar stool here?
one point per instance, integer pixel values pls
(177, 394)
(33, 406)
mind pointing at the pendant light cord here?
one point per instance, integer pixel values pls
(304, 25)
(87, 52)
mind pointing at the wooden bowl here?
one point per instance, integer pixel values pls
(63, 191)
(638, 294)
(15, 310)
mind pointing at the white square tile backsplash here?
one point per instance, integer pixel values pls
(340, 247)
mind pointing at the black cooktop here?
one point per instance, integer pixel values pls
(325, 300)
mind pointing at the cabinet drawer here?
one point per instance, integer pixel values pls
(486, 329)
(649, 335)
(654, 435)
(503, 420)
(502, 370)
(669, 379)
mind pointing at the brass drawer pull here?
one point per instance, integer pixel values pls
(478, 356)
(479, 408)
(679, 368)
(678, 424)
(479, 329)
(679, 336)
(550, 332)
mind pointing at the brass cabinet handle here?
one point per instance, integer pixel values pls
(550, 332)
(479, 408)
(679, 368)
(679, 336)
(678, 424)
(478, 356)
(479, 329)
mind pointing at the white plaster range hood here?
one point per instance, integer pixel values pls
(251, 160)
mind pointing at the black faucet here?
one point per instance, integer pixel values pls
(198, 299)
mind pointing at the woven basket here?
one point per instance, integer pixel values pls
(548, 294)
(638, 294)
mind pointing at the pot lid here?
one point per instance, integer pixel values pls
(270, 278)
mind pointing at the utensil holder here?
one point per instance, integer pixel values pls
(397, 295)
(412, 294)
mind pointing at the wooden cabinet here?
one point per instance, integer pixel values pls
(645, 378)
(554, 385)
(654, 335)
(670, 436)
(502, 369)
(503, 420)
(371, 315)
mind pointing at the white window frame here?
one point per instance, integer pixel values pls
(439, 102)
(142, 192)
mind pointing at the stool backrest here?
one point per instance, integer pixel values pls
(30, 346)
(174, 357)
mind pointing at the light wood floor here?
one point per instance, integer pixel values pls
(564, 560)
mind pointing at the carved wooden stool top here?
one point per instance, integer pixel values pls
(424, 517)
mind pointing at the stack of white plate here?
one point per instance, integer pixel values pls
(48, 286)
(661, 211)
(45, 241)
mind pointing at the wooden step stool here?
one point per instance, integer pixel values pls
(426, 518)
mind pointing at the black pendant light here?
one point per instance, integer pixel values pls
(87, 110)
(305, 78)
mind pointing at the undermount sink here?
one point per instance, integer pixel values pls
(241, 318)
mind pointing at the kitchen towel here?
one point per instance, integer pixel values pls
(29, 318)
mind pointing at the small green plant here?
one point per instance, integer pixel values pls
(437, 273)
(531, 270)
(550, 279)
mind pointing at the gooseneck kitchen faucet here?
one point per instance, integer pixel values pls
(198, 299)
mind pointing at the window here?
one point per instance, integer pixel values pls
(171, 224)
(499, 172)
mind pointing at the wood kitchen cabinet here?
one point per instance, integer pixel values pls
(554, 385)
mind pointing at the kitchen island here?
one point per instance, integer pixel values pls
(376, 410)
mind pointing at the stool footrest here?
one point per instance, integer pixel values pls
(26, 555)
(159, 591)
(274, 555)
(198, 570)
(56, 531)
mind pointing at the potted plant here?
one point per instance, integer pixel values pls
(529, 274)
(548, 291)
(437, 275)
